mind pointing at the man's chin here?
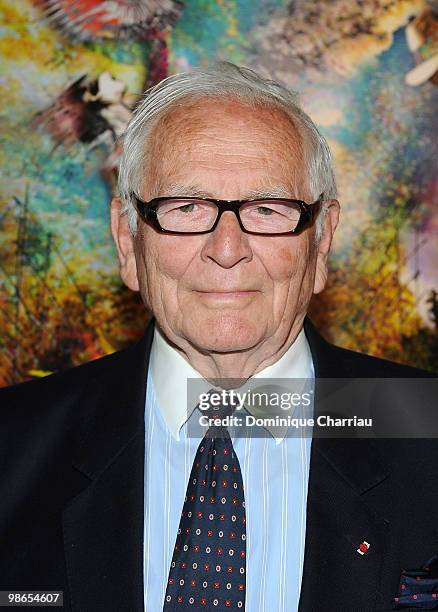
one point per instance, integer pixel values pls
(225, 333)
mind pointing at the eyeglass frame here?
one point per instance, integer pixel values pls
(148, 212)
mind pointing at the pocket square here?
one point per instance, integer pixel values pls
(418, 588)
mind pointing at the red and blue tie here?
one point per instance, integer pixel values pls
(208, 568)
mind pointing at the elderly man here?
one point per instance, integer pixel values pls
(224, 222)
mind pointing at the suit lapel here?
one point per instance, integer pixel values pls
(340, 516)
(103, 537)
(103, 525)
(345, 477)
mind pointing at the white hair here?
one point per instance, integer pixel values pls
(221, 80)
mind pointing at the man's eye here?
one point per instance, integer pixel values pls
(264, 210)
(186, 208)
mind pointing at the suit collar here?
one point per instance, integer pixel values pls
(358, 462)
(116, 397)
(326, 362)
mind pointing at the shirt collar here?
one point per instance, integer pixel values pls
(170, 371)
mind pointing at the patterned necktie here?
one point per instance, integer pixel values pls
(208, 567)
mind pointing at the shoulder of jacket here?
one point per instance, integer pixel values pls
(362, 364)
(59, 389)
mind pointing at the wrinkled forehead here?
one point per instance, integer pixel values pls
(225, 131)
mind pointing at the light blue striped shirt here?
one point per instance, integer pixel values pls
(275, 478)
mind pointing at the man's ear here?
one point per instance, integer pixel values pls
(124, 242)
(330, 222)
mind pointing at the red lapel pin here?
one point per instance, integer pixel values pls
(363, 548)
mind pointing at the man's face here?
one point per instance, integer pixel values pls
(227, 290)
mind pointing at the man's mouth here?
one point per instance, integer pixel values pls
(227, 294)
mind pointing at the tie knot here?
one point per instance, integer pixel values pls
(217, 405)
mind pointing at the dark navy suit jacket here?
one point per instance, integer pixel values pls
(71, 491)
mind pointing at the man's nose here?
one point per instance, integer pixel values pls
(227, 245)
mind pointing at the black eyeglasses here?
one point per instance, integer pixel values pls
(270, 216)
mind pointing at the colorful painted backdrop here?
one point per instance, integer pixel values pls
(70, 75)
